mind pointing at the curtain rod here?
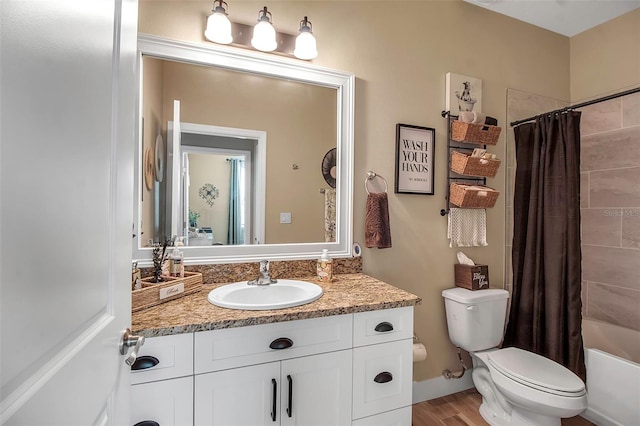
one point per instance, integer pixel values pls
(580, 105)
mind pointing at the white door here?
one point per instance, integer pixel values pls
(67, 127)
(316, 390)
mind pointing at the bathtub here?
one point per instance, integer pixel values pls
(613, 386)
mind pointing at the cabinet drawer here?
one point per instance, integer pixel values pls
(400, 417)
(382, 326)
(174, 355)
(382, 377)
(236, 347)
(167, 402)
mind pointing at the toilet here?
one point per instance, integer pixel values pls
(517, 387)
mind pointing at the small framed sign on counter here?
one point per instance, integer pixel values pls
(414, 159)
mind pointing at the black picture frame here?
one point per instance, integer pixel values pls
(415, 147)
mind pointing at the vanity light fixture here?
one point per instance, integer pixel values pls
(218, 25)
(306, 47)
(264, 35)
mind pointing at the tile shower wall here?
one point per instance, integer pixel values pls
(610, 209)
(609, 201)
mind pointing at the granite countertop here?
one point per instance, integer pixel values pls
(346, 294)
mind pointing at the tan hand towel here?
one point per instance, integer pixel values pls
(377, 232)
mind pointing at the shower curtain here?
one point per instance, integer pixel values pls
(545, 315)
(235, 234)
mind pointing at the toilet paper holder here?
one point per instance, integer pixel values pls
(419, 350)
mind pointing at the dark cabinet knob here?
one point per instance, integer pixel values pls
(147, 423)
(383, 377)
(144, 362)
(383, 327)
(281, 343)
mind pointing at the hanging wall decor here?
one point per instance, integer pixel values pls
(209, 193)
(463, 93)
(329, 171)
(414, 159)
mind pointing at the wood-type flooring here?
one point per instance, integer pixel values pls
(461, 409)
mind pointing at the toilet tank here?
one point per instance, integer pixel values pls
(475, 319)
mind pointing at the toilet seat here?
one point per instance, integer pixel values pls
(536, 372)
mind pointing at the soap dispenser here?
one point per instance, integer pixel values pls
(325, 266)
(176, 262)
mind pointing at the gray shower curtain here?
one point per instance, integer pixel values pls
(545, 315)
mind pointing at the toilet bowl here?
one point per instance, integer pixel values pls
(517, 387)
(539, 390)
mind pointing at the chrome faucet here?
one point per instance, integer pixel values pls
(264, 278)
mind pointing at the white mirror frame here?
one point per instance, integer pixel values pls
(275, 66)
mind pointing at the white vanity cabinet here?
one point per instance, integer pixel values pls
(308, 380)
(162, 389)
(353, 369)
(311, 390)
(383, 367)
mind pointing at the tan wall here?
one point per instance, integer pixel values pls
(400, 56)
(280, 108)
(604, 60)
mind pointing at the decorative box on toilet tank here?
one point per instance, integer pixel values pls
(473, 277)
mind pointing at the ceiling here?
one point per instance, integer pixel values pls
(566, 17)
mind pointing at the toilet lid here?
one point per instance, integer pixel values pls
(536, 371)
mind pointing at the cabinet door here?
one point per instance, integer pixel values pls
(247, 396)
(382, 377)
(316, 390)
(167, 402)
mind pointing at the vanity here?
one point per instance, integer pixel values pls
(344, 359)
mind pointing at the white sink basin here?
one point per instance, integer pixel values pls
(283, 294)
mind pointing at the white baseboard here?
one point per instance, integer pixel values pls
(439, 386)
(597, 418)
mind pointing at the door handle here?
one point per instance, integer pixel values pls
(290, 407)
(274, 406)
(128, 340)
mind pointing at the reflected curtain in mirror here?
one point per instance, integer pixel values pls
(236, 225)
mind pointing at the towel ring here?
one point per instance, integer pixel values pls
(371, 175)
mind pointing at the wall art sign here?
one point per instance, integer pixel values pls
(414, 159)
(463, 93)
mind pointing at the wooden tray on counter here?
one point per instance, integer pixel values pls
(152, 294)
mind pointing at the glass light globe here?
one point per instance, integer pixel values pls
(264, 37)
(218, 28)
(305, 46)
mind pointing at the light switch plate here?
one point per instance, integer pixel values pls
(285, 217)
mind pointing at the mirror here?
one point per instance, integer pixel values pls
(293, 114)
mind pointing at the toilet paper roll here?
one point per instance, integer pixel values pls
(419, 352)
(478, 117)
(465, 116)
